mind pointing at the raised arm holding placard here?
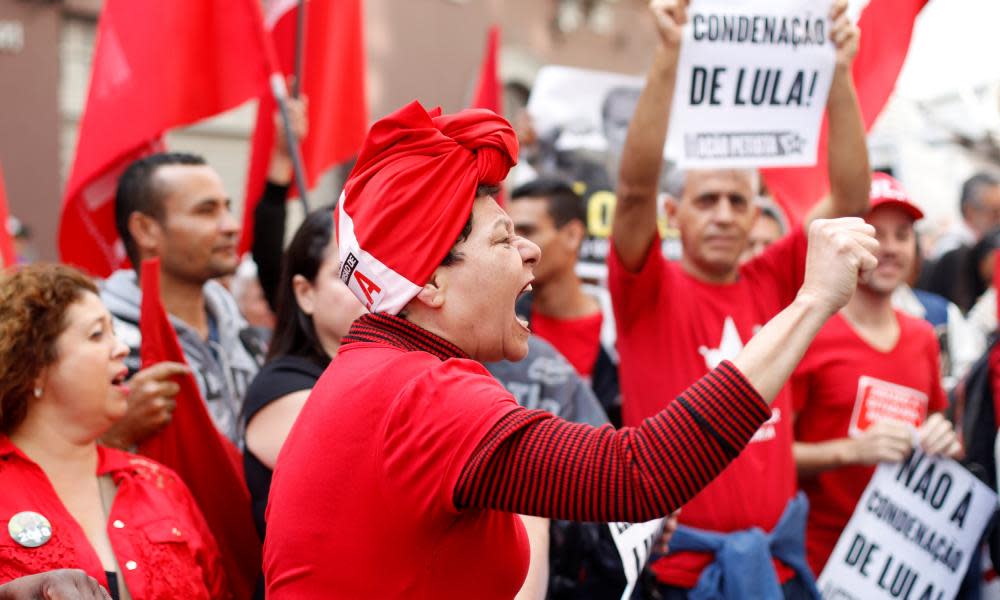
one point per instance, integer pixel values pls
(676, 320)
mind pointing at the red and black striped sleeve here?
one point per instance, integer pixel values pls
(533, 463)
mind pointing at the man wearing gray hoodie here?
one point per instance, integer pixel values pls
(173, 206)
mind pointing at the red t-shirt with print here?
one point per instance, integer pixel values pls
(673, 328)
(841, 386)
(579, 340)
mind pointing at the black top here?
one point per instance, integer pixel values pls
(112, 584)
(268, 239)
(280, 377)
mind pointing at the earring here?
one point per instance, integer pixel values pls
(38, 392)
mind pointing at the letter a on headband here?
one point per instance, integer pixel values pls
(368, 287)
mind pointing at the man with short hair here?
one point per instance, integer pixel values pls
(871, 377)
(174, 206)
(952, 274)
(979, 204)
(677, 320)
(560, 308)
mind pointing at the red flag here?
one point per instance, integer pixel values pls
(157, 65)
(7, 252)
(489, 90)
(886, 27)
(191, 445)
(333, 78)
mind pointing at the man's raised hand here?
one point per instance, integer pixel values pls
(670, 17)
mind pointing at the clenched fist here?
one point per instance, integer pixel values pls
(840, 252)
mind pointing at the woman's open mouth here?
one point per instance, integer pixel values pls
(118, 381)
(522, 322)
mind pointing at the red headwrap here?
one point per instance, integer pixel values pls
(410, 194)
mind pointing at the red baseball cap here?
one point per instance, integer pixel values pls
(887, 191)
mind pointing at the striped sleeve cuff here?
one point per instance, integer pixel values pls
(727, 405)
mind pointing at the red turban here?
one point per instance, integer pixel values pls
(410, 194)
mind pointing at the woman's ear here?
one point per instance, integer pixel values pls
(433, 293)
(39, 384)
(305, 295)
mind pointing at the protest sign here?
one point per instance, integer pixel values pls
(879, 400)
(581, 118)
(752, 83)
(634, 542)
(912, 533)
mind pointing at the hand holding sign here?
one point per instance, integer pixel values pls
(844, 34)
(670, 16)
(883, 441)
(938, 437)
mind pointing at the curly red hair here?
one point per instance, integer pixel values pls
(33, 304)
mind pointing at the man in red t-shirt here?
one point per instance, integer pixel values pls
(676, 321)
(871, 376)
(551, 214)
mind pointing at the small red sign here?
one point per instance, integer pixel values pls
(879, 400)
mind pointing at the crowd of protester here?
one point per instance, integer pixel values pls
(464, 424)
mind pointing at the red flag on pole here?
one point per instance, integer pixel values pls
(157, 65)
(7, 252)
(191, 445)
(333, 78)
(489, 89)
(886, 28)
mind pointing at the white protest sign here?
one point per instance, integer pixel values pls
(583, 109)
(752, 83)
(912, 533)
(634, 542)
(581, 117)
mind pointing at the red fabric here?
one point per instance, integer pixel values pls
(673, 328)
(489, 89)
(361, 503)
(994, 367)
(421, 163)
(995, 352)
(827, 385)
(157, 65)
(191, 445)
(886, 27)
(161, 530)
(333, 78)
(579, 340)
(8, 255)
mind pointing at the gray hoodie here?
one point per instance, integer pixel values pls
(223, 366)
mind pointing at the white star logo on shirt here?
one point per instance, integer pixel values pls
(729, 346)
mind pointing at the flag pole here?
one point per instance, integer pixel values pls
(280, 92)
(300, 36)
(281, 97)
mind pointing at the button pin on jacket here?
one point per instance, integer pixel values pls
(29, 529)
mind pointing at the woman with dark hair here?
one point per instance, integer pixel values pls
(304, 341)
(66, 502)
